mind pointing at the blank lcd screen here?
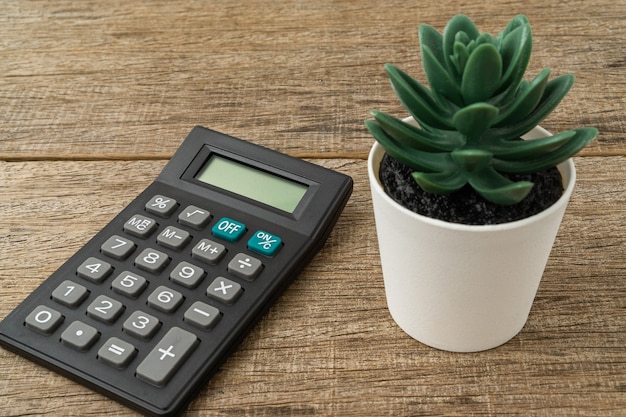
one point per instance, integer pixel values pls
(253, 183)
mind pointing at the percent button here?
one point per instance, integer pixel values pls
(264, 243)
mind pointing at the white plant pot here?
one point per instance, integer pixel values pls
(462, 288)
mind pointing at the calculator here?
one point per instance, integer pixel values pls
(147, 310)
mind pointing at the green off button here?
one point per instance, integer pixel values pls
(264, 243)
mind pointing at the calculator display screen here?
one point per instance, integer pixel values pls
(252, 183)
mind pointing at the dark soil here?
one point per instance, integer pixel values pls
(465, 205)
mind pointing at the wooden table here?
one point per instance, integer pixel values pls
(96, 95)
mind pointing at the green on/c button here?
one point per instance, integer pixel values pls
(228, 229)
(264, 243)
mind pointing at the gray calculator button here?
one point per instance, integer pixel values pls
(245, 266)
(129, 284)
(173, 238)
(118, 247)
(140, 226)
(43, 320)
(165, 299)
(167, 356)
(105, 309)
(141, 325)
(152, 260)
(202, 315)
(70, 294)
(79, 335)
(116, 353)
(95, 270)
(194, 217)
(187, 275)
(161, 205)
(208, 251)
(224, 290)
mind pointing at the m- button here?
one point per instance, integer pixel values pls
(228, 229)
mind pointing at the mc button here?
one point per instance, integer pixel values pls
(228, 229)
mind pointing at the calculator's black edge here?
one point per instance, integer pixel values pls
(23, 350)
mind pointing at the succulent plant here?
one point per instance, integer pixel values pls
(478, 106)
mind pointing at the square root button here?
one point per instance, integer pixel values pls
(264, 243)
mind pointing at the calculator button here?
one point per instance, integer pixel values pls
(161, 205)
(167, 356)
(202, 315)
(94, 270)
(79, 336)
(228, 229)
(129, 284)
(208, 251)
(117, 247)
(140, 226)
(116, 353)
(165, 299)
(105, 309)
(187, 274)
(141, 325)
(194, 217)
(264, 243)
(70, 294)
(152, 260)
(173, 238)
(245, 266)
(224, 290)
(43, 320)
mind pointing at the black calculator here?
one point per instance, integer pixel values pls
(147, 310)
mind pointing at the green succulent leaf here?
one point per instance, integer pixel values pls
(442, 84)
(413, 158)
(581, 138)
(440, 182)
(473, 120)
(526, 101)
(417, 100)
(524, 149)
(414, 137)
(428, 36)
(492, 186)
(460, 56)
(472, 160)
(481, 77)
(459, 23)
(515, 50)
(554, 92)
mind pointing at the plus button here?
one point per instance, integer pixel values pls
(167, 352)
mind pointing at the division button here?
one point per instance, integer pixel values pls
(167, 357)
(245, 266)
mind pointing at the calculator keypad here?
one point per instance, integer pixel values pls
(144, 242)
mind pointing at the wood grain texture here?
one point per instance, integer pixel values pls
(96, 95)
(117, 79)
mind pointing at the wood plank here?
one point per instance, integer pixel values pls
(329, 346)
(119, 79)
